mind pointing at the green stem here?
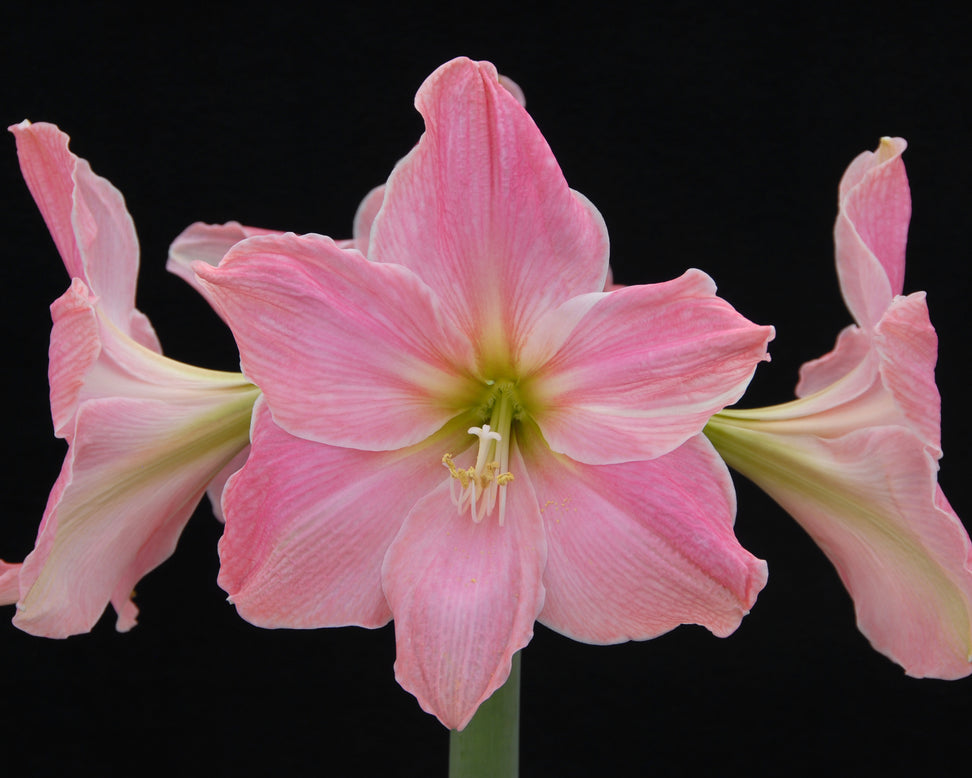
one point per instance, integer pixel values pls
(489, 746)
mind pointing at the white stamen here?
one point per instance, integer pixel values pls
(479, 485)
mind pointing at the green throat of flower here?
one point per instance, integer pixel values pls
(481, 488)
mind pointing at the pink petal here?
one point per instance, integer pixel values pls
(636, 549)
(88, 220)
(634, 373)
(308, 525)
(481, 212)
(9, 583)
(74, 350)
(870, 500)
(364, 219)
(514, 89)
(872, 229)
(857, 401)
(133, 475)
(347, 351)
(91, 359)
(215, 489)
(892, 382)
(907, 346)
(852, 347)
(464, 598)
(207, 243)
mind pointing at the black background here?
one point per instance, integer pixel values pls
(708, 137)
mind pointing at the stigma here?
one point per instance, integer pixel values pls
(482, 486)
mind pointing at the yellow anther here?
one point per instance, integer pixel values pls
(463, 476)
(480, 484)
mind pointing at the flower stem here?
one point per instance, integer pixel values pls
(489, 746)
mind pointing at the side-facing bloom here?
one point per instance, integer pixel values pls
(855, 459)
(146, 435)
(461, 431)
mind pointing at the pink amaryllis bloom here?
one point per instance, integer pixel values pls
(146, 435)
(855, 459)
(461, 432)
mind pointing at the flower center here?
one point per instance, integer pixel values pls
(482, 487)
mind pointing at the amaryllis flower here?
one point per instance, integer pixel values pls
(461, 432)
(147, 435)
(855, 459)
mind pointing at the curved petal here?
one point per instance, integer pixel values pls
(514, 89)
(215, 489)
(635, 549)
(856, 401)
(88, 220)
(308, 525)
(74, 350)
(872, 229)
(464, 598)
(200, 242)
(133, 475)
(364, 218)
(633, 374)
(907, 346)
(870, 500)
(885, 378)
(92, 359)
(480, 210)
(48, 167)
(852, 348)
(348, 352)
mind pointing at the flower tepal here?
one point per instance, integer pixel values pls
(509, 443)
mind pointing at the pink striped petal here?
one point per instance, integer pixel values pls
(133, 475)
(90, 359)
(870, 500)
(907, 346)
(892, 382)
(618, 537)
(74, 351)
(348, 352)
(857, 401)
(88, 220)
(852, 348)
(480, 210)
(464, 598)
(200, 242)
(633, 374)
(308, 525)
(215, 489)
(872, 229)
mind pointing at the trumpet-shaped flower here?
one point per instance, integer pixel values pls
(855, 459)
(460, 431)
(146, 435)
